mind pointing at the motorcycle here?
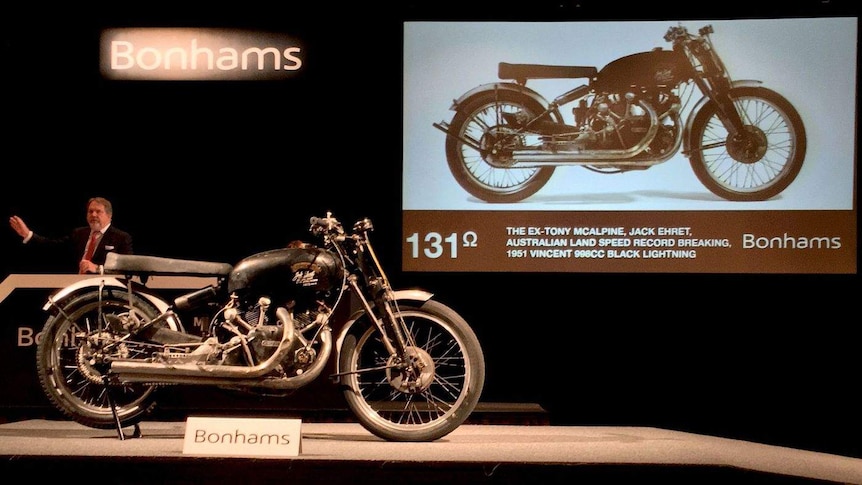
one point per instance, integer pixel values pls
(745, 142)
(409, 367)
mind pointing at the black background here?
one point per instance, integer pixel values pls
(220, 170)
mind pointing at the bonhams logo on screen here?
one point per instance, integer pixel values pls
(197, 54)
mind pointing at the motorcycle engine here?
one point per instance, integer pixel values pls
(264, 340)
(615, 121)
(257, 325)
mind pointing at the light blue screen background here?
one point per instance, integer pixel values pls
(810, 61)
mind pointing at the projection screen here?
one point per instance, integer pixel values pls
(597, 215)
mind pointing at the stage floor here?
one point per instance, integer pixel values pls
(474, 453)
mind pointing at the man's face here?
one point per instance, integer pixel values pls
(97, 218)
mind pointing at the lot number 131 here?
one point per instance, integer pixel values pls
(434, 244)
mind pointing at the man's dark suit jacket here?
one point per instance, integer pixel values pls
(113, 240)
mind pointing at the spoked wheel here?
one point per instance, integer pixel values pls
(757, 164)
(72, 354)
(483, 169)
(428, 395)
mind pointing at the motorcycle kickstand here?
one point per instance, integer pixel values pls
(137, 432)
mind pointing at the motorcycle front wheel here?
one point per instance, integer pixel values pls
(758, 165)
(480, 167)
(396, 404)
(69, 372)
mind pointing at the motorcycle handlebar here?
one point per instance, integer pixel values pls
(324, 224)
(677, 33)
(329, 225)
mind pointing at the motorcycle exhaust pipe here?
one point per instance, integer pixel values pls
(267, 382)
(290, 383)
(536, 158)
(190, 373)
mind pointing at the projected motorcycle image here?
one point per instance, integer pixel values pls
(744, 141)
(681, 131)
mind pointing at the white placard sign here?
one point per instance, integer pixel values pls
(260, 437)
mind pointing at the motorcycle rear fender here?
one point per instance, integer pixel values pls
(511, 87)
(400, 296)
(93, 284)
(741, 83)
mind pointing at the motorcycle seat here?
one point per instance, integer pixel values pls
(522, 72)
(131, 264)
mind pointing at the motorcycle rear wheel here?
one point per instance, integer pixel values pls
(380, 396)
(481, 173)
(72, 383)
(761, 165)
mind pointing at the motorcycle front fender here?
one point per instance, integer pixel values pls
(401, 296)
(687, 141)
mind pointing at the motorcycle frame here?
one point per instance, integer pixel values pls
(553, 110)
(56, 302)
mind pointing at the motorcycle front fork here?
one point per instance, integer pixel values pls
(727, 112)
(388, 324)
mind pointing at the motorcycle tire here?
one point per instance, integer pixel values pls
(762, 165)
(382, 398)
(72, 382)
(479, 171)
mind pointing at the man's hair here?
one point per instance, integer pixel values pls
(109, 208)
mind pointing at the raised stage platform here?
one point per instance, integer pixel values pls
(345, 453)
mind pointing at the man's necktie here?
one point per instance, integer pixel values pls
(91, 245)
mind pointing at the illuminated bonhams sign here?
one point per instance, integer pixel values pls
(197, 54)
